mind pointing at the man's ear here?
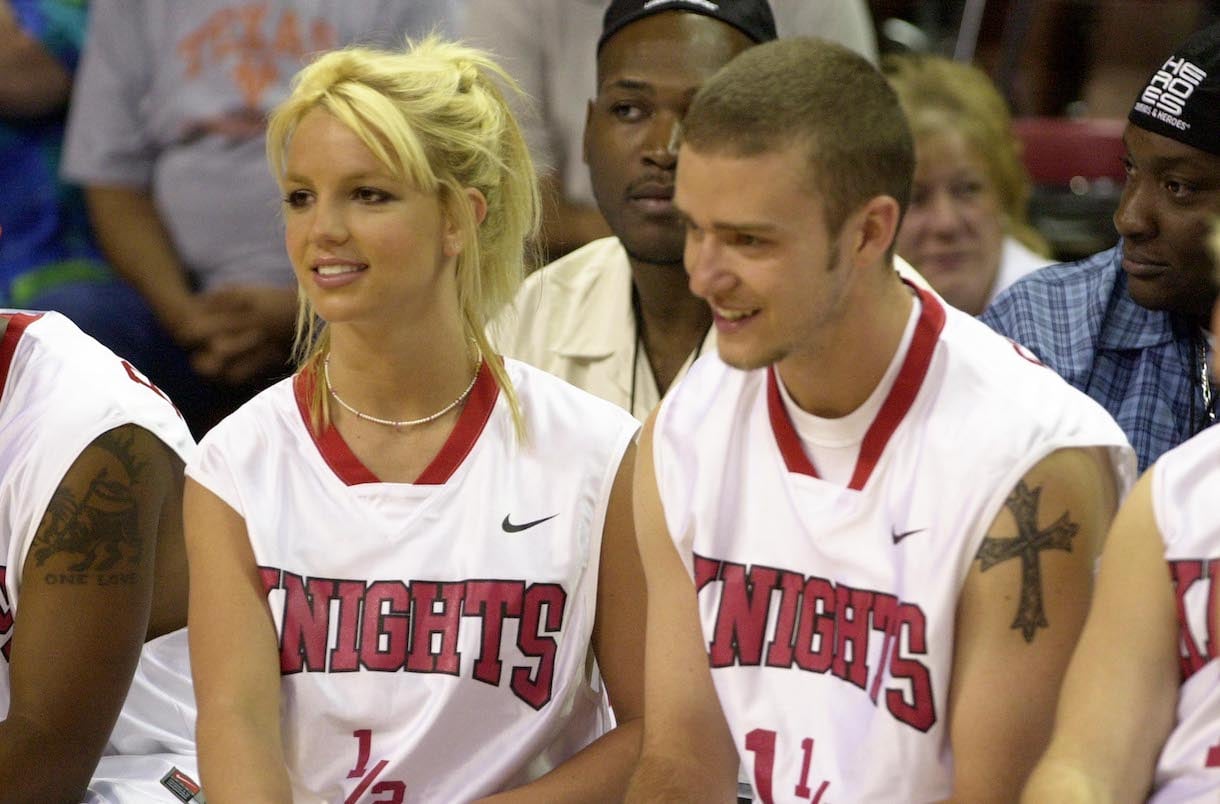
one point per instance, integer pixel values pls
(874, 227)
(453, 232)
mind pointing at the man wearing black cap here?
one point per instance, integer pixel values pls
(548, 47)
(615, 317)
(1128, 326)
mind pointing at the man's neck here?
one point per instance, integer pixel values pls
(672, 322)
(837, 376)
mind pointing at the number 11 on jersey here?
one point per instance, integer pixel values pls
(761, 742)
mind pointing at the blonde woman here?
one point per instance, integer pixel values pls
(410, 559)
(966, 228)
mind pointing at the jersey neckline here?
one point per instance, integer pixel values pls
(349, 468)
(893, 410)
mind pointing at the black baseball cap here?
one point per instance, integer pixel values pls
(1181, 100)
(752, 17)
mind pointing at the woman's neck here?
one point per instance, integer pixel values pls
(405, 374)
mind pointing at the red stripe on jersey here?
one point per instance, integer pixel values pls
(348, 468)
(893, 410)
(906, 388)
(786, 438)
(331, 446)
(12, 327)
(466, 432)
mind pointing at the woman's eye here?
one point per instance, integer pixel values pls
(370, 195)
(967, 189)
(296, 199)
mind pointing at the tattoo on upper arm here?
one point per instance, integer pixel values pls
(100, 525)
(1029, 542)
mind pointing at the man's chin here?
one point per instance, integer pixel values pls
(654, 253)
(1153, 295)
(746, 361)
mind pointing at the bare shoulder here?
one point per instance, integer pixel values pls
(92, 523)
(1047, 507)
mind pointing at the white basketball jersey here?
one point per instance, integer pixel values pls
(1184, 483)
(435, 636)
(829, 611)
(61, 390)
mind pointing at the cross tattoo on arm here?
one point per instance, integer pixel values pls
(1028, 543)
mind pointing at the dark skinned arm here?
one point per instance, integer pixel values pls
(93, 557)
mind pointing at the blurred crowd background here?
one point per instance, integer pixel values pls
(133, 196)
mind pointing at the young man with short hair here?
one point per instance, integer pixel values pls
(848, 548)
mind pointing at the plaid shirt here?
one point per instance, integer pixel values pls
(1143, 366)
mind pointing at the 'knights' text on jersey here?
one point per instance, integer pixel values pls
(821, 627)
(392, 626)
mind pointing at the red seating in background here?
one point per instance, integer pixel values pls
(1058, 149)
(1077, 172)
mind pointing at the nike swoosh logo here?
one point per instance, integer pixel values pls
(900, 536)
(509, 527)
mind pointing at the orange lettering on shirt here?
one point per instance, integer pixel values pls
(323, 35)
(288, 35)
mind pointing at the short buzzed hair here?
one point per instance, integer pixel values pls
(810, 92)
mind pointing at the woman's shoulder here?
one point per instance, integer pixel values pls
(265, 411)
(544, 396)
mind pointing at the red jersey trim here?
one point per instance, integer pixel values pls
(348, 468)
(12, 327)
(466, 432)
(893, 410)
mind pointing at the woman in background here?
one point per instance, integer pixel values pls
(406, 557)
(966, 228)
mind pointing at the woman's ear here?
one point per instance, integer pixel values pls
(478, 205)
(453, 232)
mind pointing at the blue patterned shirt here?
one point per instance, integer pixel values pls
(1143, 366)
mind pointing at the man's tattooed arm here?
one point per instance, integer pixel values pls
(83, 610)
(1029, 542)
(1019, 614)
(91, 534)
